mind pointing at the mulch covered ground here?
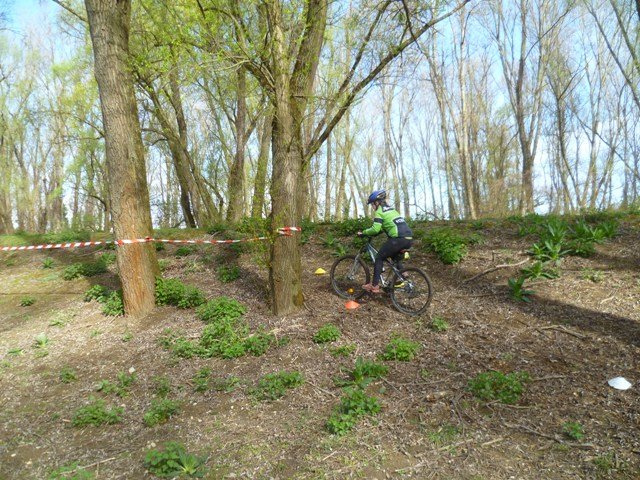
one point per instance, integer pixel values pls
(571, 338)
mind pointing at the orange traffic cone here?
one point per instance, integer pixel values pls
(351, 305)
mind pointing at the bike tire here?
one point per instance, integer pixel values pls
(347, 283)
(415, 296)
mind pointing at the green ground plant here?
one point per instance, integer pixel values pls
(259, 343)
(161, 386)
(96, 413)
(573, 430)
(327, 333)
(90, 269)
(220, 309)
(596, 276)
(364, 372)
(171, 291)
(275, 385)
(67, 375)
(227, 384)
(160, 411)
(174, 462)
(41, 341)
(354, 404)
(447, 244)
(517, 289)
(113, 305)
(400, 349)
(72, 471)
(96, 292)
(201, 380)
(350, 226)
(121, 386)
(444, 435)
(47, 263)
(539, 270)
(438, 324)
(343, 350)
(27, 301)
(185, 250)
(494, 385)
(228, 273)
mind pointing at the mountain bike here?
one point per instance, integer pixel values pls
(409, 288)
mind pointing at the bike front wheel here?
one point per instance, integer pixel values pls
(411, 292)
(348, 274)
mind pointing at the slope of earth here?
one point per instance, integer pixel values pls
(578, 331)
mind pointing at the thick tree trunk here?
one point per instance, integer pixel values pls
(109, 22)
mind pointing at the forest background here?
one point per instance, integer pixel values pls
(460, 110)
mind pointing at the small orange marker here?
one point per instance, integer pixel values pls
(351, 305)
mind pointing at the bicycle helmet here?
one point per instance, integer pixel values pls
(377, 195)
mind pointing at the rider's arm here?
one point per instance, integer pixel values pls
(376, 228)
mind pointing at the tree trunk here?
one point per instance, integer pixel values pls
(236, 175)
(257, 203)
(109, 22)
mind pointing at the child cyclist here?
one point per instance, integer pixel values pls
(399, 235)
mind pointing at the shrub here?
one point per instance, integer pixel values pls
(224, 338)
(113, 305)
(495, 385)
(449, 246)
(160, 411)
(27, 301)
(96, 292)
(77, 270)
(400, 349)
(351, 226)
(174, 462)
(259, 343)
(108, 258)
(274, 385)
(327, 333)
(169, 291)
(220, 309)
(96, 413)
(192, 297)
(353, 405)
(228, 273)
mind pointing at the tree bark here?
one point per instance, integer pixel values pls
(236, 175)
(109, 22)
(258, 201)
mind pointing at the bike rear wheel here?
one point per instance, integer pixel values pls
(411, 292)
(348, 274)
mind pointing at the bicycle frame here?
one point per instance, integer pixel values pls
(370, 249)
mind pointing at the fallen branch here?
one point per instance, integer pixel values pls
(562, 329)
(493, 269)
(555, 438)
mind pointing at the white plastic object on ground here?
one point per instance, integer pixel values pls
(619, 383)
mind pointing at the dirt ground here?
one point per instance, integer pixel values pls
(571, 338)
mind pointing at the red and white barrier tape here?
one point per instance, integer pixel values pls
(286, 231)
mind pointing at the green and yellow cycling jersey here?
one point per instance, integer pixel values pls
(390, 221)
